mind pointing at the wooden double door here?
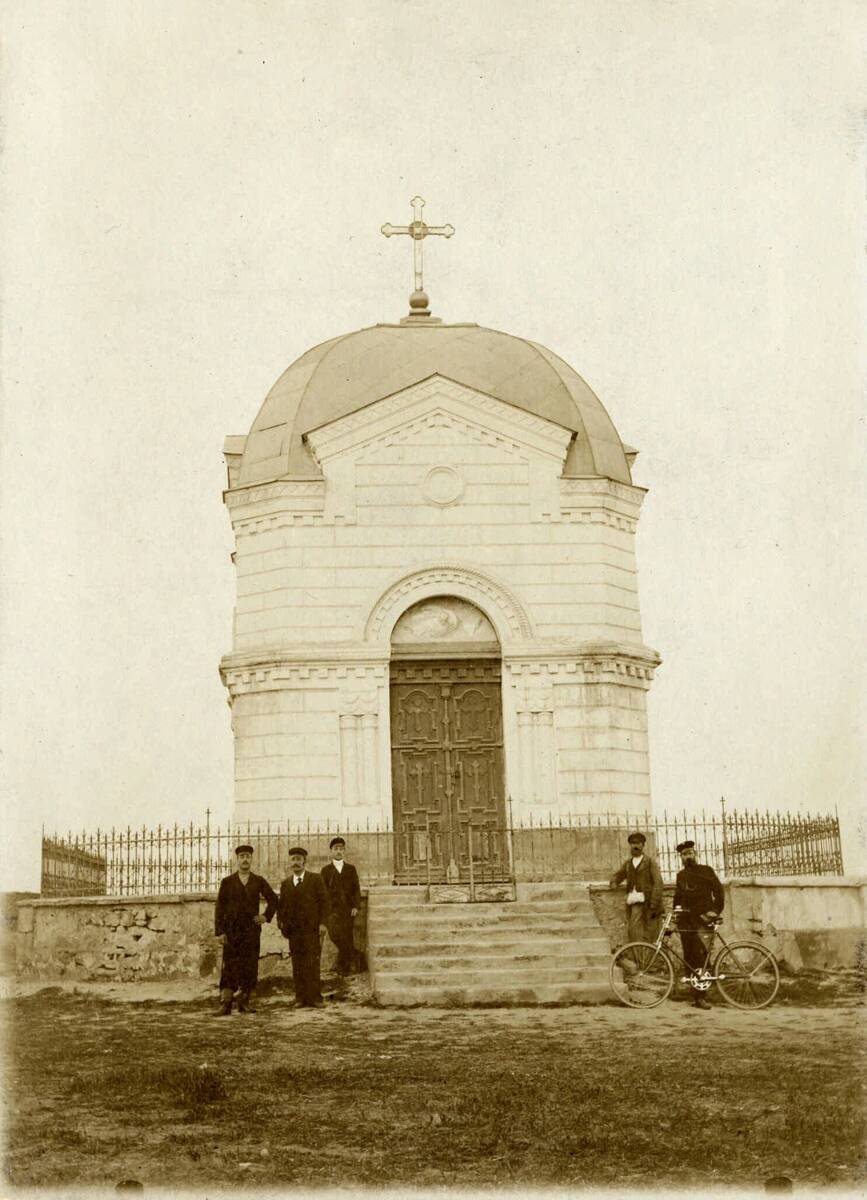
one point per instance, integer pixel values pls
(447, 770)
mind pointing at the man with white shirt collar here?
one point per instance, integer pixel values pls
(643, 891)
(302, 914)
(344, 901)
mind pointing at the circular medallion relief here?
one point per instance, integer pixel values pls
(442, 485)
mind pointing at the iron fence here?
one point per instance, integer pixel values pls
(771, 844)
(194, 858)
(68, 869)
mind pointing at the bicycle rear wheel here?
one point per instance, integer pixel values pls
(641, 975)
(747, 975)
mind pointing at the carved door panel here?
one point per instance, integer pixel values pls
(447, 769)
(479, 800)
(417, 776)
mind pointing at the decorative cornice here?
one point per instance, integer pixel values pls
(598, 485)
(595, 516)
(273, 490)
(278, 502)
(337, 653)
(594, 500)
(593, 662)
(536, 665)
(280, 520)
(273, 676)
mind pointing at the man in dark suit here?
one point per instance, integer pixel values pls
(302, 914)
(238, 924)
(344, 901)
(643, 891)
(699, 893)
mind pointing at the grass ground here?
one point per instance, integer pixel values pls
(107, 1090)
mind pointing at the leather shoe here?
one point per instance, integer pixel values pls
(225, 1010)
(700, 1002)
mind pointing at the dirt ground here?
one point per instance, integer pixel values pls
(108, 1085)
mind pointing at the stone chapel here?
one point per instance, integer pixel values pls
(437, 619)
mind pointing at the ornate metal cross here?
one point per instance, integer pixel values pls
(418, 231)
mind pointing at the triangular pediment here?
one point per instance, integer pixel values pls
(440, 404)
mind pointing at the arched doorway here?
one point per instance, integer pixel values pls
(448, 777)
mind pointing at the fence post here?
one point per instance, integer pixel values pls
(837, 843)
(470, 854)
(725, 841)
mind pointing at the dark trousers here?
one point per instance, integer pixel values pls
(240, 968)
(305, 948)
(693, 944)
(340, 932)
(640, 926)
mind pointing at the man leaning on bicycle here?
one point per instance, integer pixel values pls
(699, 894)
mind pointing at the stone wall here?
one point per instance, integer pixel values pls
(809, 923)
(9, 902)
(138, 938)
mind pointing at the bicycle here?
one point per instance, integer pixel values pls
(642, 974)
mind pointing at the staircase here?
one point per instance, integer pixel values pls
(545, 947)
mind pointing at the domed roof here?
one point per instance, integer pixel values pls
(345, 374)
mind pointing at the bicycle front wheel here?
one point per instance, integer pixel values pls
(641, 975)
(747, 975)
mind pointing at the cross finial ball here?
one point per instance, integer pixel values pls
(418, 230)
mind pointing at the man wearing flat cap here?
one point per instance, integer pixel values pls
(344, 900)
(302, 914)
(237, 924)
(643, 882)
(700, 894)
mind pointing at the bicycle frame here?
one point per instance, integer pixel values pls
(699, 977)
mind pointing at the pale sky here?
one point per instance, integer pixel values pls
(667, 194)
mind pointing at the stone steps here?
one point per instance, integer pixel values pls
(556, 910)
(412, 964)
(495, 995)
(490, 948)
(505, 975)
(431, 943)
(545, 947)
(491, 913)
(516, 930)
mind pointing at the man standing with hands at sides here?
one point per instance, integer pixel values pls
(238, 924)
(643, 891)
(302, 914)
(344, 901)
(700, 894)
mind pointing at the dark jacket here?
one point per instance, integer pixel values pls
(343, 888)
(645, 878)
(238, 904)
(304, 908)
(698, 890)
